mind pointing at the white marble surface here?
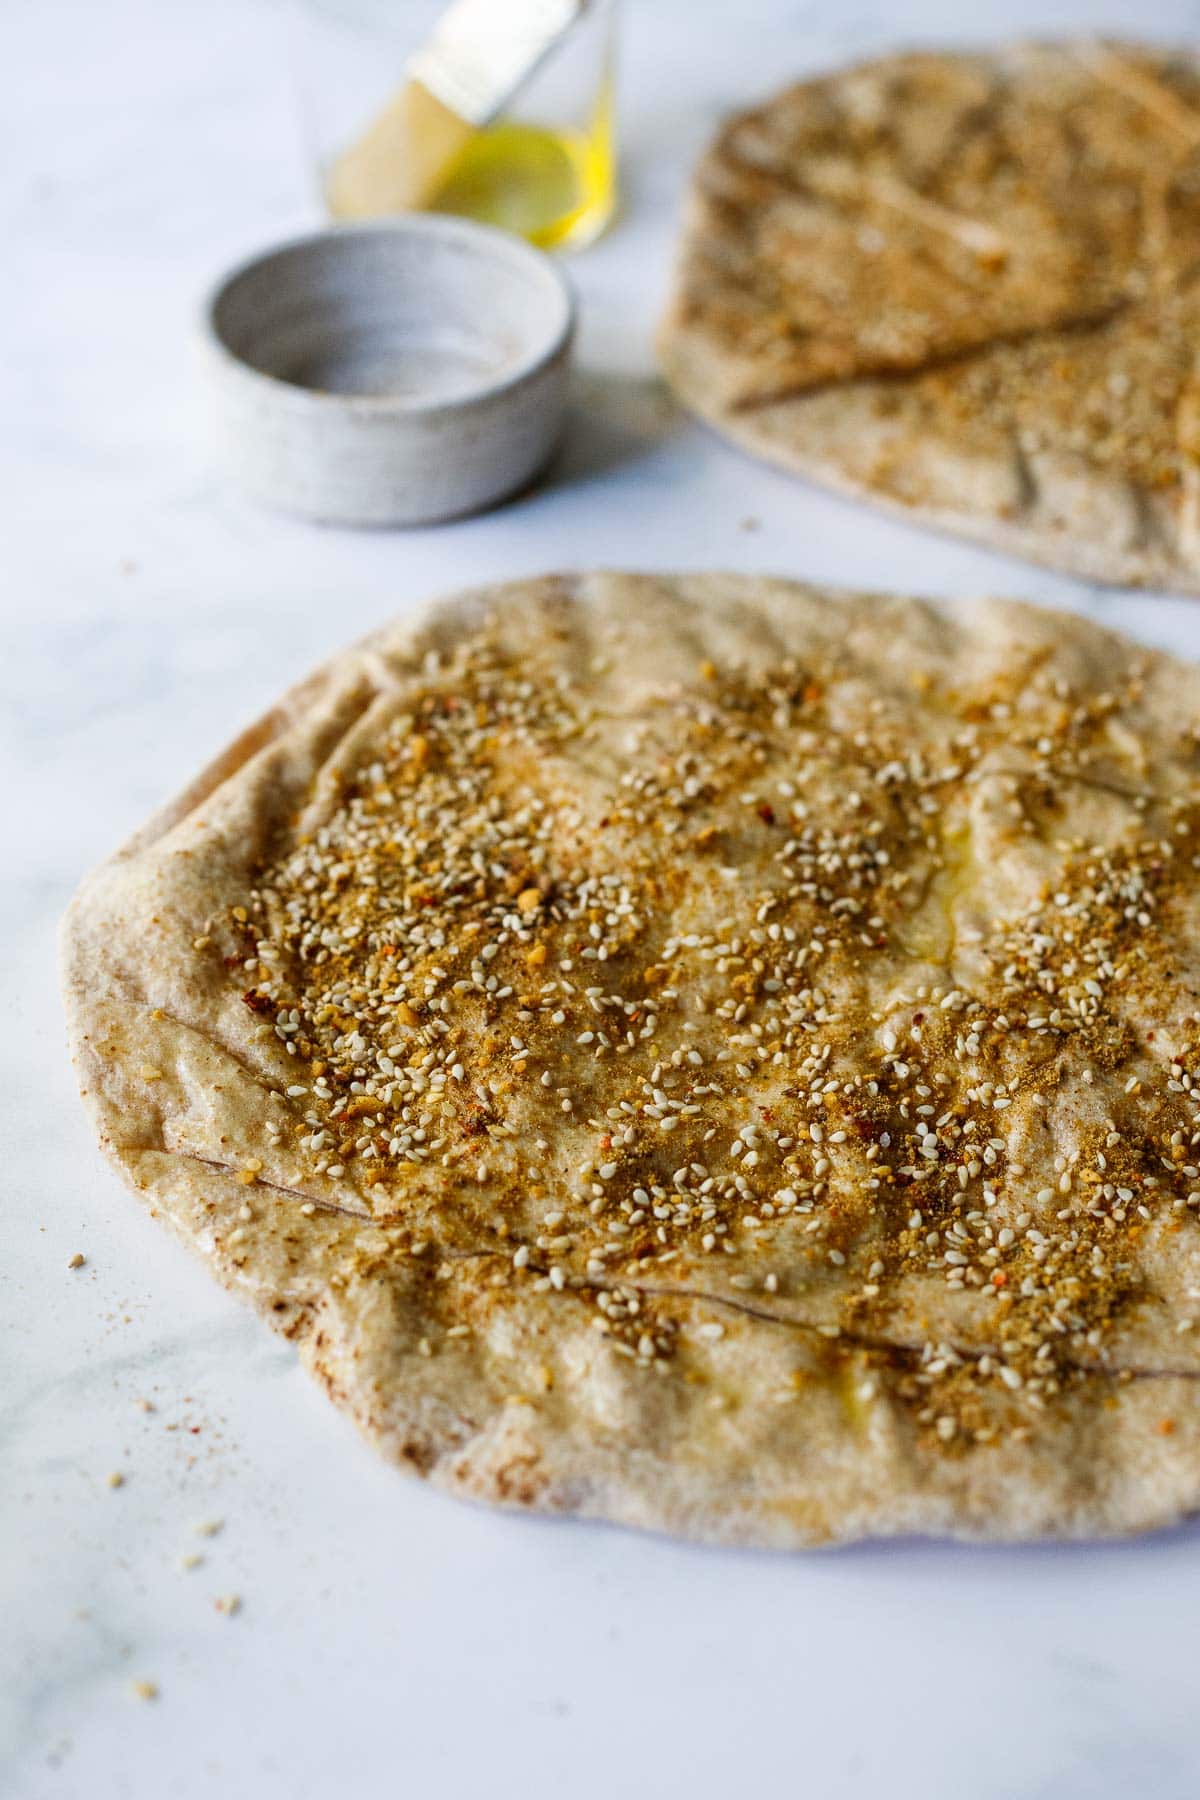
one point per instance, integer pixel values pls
(390, 1640)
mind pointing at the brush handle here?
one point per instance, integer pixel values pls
(402, 158)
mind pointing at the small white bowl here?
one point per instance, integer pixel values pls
(390, 374)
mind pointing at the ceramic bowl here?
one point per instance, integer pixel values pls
(389, 374)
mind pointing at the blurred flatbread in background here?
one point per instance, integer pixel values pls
(965, 286)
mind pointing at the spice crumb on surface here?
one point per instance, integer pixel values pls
(144, 1690)
(77, 1261)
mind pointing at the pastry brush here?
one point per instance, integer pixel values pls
(481, 53)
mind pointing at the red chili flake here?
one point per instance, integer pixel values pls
(258, 1003)
(766, 812)
(475, 1122)
(233, 962)
(918, 1018)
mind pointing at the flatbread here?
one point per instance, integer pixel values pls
(965, 287)
(702, 1052)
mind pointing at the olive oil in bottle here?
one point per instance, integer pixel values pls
(506, 116)
(553, 184)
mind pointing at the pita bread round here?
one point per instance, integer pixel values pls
(701, 1052)
(965, 287)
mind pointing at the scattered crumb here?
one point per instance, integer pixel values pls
(192, 1561)
(145, 1405)
(750, 524)
(116, 1479)
(228, 1604)
(77, 1261)
(145, 1690)
(209, 1528)
(148, 1072)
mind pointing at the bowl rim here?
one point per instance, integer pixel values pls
(502, 246)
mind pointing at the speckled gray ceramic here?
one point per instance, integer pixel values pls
(390, 374)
